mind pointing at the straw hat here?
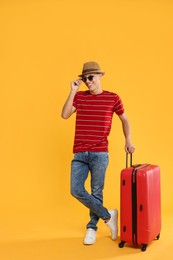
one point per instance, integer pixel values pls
(91, 67)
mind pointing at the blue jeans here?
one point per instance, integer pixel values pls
(95, 163)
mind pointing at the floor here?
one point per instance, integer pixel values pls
(68, 245)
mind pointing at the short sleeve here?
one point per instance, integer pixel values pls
(118, 107)
(75, 100)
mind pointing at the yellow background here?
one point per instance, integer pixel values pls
(43, 45)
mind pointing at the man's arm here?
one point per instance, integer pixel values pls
(129, 148)
(68, 108)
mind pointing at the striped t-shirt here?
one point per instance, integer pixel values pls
(94, 119)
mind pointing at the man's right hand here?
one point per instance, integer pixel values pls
(76, 84)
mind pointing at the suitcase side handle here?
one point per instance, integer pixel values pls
(127, 159)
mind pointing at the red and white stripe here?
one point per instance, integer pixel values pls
(94, 119)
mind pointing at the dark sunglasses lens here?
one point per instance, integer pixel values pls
(90, 78)
(84, 79)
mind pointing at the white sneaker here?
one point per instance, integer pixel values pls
(90, 237)
(113, 223)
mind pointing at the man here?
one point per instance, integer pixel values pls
(94, 111)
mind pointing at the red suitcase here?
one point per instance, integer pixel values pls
(140, 204)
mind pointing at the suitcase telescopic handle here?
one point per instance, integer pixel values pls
(135, 165)
(127, 159)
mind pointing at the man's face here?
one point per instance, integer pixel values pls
(92, 81)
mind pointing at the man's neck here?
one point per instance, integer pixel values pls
(96, 91)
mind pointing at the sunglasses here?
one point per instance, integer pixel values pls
(90, 78)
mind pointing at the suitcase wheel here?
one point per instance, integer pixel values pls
(121, 244)
(144, 247)
(158, 237)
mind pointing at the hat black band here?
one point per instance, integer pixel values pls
(88, 70)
